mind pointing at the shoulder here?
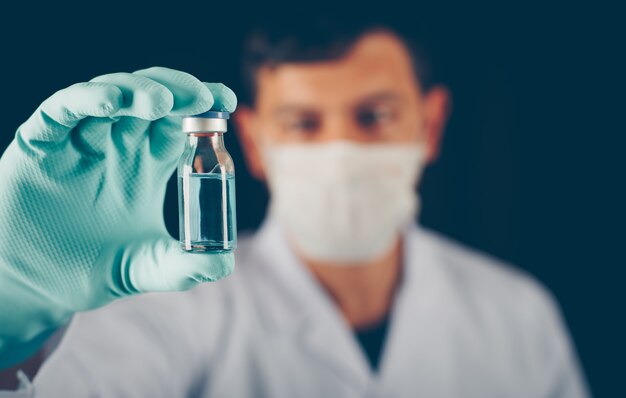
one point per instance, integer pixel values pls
(503, 312)
(499, 304)
(489, 284)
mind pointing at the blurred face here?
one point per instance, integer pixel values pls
(342, 144)
(370, 95)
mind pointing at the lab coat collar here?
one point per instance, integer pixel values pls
(310, 315)
(306, 313)
(420, 316)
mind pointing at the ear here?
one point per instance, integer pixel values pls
(244, 120)
(438, 104)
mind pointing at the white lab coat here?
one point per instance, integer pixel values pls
(462, 325)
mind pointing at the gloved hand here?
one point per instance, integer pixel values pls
(81, 202)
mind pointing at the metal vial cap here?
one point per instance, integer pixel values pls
(207, 122)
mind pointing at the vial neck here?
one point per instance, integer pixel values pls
(212, 139)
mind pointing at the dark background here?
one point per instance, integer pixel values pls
(530, 168)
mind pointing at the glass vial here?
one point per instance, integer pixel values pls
(206, 186)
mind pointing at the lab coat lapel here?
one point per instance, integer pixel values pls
(330, 340)
(313, 319)
(416, 356)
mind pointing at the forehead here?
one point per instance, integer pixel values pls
(378, 62)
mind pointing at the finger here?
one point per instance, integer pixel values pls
(60, 113)
(161, 265)
(167, 140)
(130, 135)
(225, 99)
(190, 95)
(143, 98)
(92, 136)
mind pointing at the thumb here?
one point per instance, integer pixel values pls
(160, 265)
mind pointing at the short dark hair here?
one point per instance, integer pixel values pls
(305, 40)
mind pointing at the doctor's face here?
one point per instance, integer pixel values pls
(370, 95)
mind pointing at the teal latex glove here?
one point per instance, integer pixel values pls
(81, 202)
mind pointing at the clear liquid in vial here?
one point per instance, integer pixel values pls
(207, 216)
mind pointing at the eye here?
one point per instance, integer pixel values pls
(303, 125)
(372, 117)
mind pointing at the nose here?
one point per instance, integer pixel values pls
(341, 127)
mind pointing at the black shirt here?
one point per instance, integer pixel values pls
(372, 339)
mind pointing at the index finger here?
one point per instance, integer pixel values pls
(62, 111)
(190, 95)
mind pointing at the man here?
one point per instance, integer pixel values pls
(337, 294)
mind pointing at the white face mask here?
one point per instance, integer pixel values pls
(344, 202)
